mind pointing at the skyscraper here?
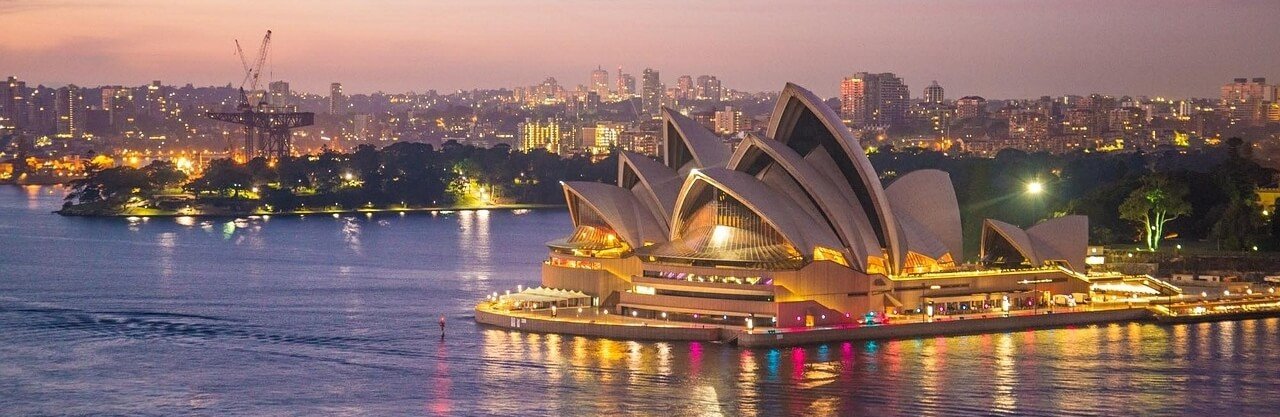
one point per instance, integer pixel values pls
(709, 88)
(600, 82)
(13, 104)
(873, 99)
(157, 104)
(622, 89)
(933, 93)
(628, 85)
(337, 102)
(651, 91)
(69, 110)
(116, 101)
(684, 88)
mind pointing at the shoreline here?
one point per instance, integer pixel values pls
(615, 327)
(311, 212)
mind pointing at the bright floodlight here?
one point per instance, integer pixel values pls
(1035, 187)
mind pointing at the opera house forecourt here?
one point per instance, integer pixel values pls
(788, 232)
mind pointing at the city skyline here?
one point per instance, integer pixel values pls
(1178, 50)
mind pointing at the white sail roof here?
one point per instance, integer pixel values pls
(681, 134)
(925, 206)
(838, 208)
(803, 122)
(785, 215)
(1063, 239)
(619, 208)
(654, 184)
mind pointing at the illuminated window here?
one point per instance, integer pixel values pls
(827, 254)
(877, 265)
(718, 227)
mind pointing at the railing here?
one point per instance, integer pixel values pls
(573, 263)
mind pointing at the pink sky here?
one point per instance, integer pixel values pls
(995, 48)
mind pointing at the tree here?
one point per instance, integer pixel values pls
(223, 177)
(1240, 227)
(163, 175)
(1157, 202)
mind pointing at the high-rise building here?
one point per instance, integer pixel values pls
(602, 137)
(874, 99)
(600, 82)
(1031, 128)
(629, 83)
(535, 134)
(651, 91)
(337, 101)
(156, 103)
(970, 107)
(13, 104)
(934, 93)
(279, 93)
(362, 127)
(550, 92)
(69, 109)
(684, 88)
(728, 121)
(41, 117)
(621, 88)
(116, 102)
(1185, 109)
(642, 141)
(591, 103)
(709, 88)
(1244, 89)
(1244, 100)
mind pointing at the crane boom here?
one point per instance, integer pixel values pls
(262, 60)
(266, 128)
(244, 63)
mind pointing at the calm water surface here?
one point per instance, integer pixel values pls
(325, 316)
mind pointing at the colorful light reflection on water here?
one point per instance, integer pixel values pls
(320, 315)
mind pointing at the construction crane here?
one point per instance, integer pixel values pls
(266, 128)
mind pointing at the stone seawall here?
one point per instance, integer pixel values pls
(943, 328)
(606, 330)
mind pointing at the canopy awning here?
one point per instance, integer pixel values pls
(544, 295)
(1125, 288)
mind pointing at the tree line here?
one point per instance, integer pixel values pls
(405, 174)
(1130, 197)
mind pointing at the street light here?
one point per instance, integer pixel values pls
(1035, 187)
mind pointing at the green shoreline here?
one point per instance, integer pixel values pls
(163, 214)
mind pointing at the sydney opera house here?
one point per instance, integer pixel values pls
(794, 228)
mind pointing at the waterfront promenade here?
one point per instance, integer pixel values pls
(595, 322)
(214, 212)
